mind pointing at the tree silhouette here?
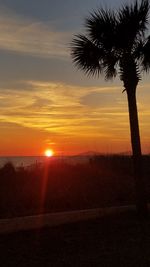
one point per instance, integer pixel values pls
(115, 42)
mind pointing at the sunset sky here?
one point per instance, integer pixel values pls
(45, 102)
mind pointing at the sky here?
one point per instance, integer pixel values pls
(45, 102)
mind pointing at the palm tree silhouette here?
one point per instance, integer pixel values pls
(116, 43)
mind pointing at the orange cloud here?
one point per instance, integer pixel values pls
(65, 115)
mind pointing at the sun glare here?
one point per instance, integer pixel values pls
(49, 153)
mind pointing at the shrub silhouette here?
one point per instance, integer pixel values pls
(104, 181)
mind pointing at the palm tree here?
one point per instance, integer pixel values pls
(115, 42)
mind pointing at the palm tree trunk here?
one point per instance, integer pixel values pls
(141, 201)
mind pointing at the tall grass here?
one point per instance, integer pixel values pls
(58, 186)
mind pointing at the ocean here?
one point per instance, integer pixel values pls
(22, 161)
(31, 160)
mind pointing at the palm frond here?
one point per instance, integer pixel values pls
(109, 64)
(133, 20)
(100, 27)
(146, 55)
(86, 55)
(143, 15)
(137, 50)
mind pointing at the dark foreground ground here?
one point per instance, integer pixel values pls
(116, 240)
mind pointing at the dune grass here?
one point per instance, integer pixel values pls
(58, 186)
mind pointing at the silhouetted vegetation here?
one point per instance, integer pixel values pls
(59, 186)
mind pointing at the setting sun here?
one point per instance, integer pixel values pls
(49, 152)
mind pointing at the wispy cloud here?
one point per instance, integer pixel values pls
(24, 35)
(62, 110)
